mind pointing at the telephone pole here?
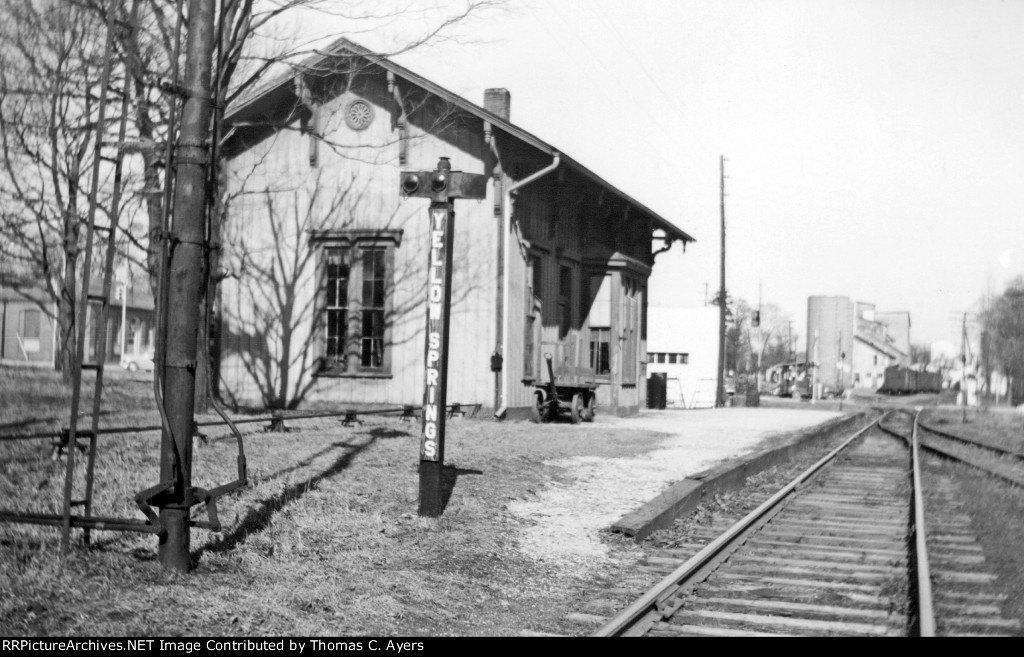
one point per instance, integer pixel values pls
(186, 276)
(963, 366)
(720, 396)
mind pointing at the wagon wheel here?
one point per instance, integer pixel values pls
(538, 411)
(577, 409)
(589, 409)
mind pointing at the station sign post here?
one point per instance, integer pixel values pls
(442, 186)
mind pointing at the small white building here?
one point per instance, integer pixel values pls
(682, 343)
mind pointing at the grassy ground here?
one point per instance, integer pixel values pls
(996, 507)
(325, 541)
(1000, 429)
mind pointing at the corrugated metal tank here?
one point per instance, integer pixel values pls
(830, 322)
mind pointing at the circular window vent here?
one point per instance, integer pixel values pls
(358, 114)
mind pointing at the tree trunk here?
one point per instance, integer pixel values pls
(64, 356)
(68, 302)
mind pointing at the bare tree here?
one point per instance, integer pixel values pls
(769, 342)
(749, 347)
(1003, 321)
(920, 354)
(49, 62)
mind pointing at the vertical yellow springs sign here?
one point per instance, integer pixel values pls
(442, 186)
(438, 310)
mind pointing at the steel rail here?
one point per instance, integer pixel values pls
(973, 443)
(649, 601)
(951, 456)
(925, 611)
(151, 525)
(978, 466)
(80, 522)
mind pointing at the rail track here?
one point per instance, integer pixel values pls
(843, 549)
(996, 461)
(967, 598)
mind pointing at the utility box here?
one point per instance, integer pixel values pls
(657, 387)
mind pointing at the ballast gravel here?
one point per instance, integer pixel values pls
(567, 521)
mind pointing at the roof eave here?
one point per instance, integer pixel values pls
(342, 45)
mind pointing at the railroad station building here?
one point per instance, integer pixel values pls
(324, 262)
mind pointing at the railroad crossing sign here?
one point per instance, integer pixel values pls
(442, 186)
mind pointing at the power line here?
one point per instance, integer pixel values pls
(642, 107)
(623, 42)
(625, 46)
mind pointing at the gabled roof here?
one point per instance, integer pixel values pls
(27, 294)
(345, 47)
(887, 349)
(139, 298)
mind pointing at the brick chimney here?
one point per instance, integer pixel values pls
(498, 102)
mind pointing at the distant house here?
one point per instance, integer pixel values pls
(325, 262)
(682, 344)
(26, 332)
(870, 358)
(135, 314)
(29, 332)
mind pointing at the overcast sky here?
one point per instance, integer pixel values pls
(874, 148)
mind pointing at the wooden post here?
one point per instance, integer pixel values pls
(435, 389)
(442, 186)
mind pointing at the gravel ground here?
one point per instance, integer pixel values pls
(570, 518)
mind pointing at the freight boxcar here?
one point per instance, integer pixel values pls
(904, 381)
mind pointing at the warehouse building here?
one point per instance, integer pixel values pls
(682, 348)
(852, 344)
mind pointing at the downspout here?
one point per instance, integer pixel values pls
(506, 211)
(497, 172)
(403, 119)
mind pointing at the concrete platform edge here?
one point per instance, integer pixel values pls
(683, 496)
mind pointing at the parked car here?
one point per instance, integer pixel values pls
(136, 362)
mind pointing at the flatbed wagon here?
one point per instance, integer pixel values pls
(572, 392)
